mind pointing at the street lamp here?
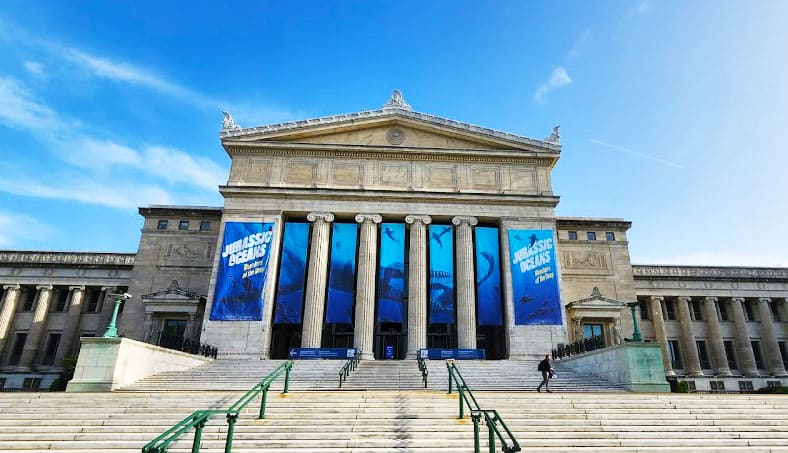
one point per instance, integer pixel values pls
(112, 329)
(636, 336)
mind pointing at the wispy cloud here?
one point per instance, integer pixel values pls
(558, 79)
(19, 108)
(35, 68)
(635, 153)
(640, 8)
(15, 228)
(580, 45)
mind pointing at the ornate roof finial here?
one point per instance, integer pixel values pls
(555, 137)
(227, 122)
(595, 292)
(396, 102)
(173, 285)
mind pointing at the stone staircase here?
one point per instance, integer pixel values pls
(398, 421)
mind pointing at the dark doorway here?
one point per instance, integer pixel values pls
(442, 336)
(171, 335)
(337, 336)
(491, 339)
(389, 341)
(284, 337)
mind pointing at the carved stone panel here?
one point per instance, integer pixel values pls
(347, 173)
(395, 174)
(587, 263)
(300, 172)
(185, 252)
(440, 177)
(523, 179)
(485, 178)
(255, 170)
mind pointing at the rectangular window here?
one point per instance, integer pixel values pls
(783, 352)
(183, 225)
(50, 350)
(162, 225)
(745, 386)
(644, 312)
(772, 384)
(756, 352)
(573, 235)
(610, 236)
(670, 310)
(591, 236)
(675, 354)
(723, 311)
(730, 354)
(31, 383)
(19, 345)
(696, 310)
(92, 302)
(28, 298)
(717, 386)
(60, 299)
(703, 354)
(691, 386)
(749, 313)
(205, 226)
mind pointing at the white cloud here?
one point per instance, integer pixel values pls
(641, 8)
(558, 79)
(15, 228)
(635, 153)
(580, 44)
(35, 68)
(179, 167)
(18, 108)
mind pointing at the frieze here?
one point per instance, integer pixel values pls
(709, 272)
(582, 260)
(67, 259)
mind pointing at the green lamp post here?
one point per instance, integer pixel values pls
(636, 336)
(112, 328)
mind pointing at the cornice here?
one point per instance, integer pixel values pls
(588, 223)
(34, 258)
(644, 272)
(201, 211)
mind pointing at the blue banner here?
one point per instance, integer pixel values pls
(459, 354)
(534, 277)
(392, 289)
(342, 273)
(441, 274)
(488, 277)
(243, 266)
(322, 353)
(292, 272)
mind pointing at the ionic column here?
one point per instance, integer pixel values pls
(7, 314)
(315, 304)
(466, 282)
(37, 329)
(660, 333)
(743, 346)
(715, 337)
(417, 284)
(71, 327)
(769, 339)
(364, 330)
(688, 339)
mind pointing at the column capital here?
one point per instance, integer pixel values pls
(324, 216)
(659, 298)
(765, 299)
(684, 298)
(78, 287)
(374, 218)
(109, 288)
(12, 286)
(44, 287)
(413, 218)
(737, 299)
(710, 299)
(457, 220)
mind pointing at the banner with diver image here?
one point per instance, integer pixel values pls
(488, 277)
(392, 289)
(441, 274)
(292, 274)
(342, 273)
(242, 271)
(534, 277)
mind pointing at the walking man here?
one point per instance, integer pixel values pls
(547, 373)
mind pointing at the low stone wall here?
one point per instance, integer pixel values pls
(636, 366)
(106, 364)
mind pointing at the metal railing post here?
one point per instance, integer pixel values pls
(448, 367)
(231, 419)
(262, 403)
(287, 378)
(459, 390)
(491, 434)
(476, 419)
(197, 436)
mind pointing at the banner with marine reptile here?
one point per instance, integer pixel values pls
(534, 277)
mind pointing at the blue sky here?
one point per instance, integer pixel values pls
(672, 114)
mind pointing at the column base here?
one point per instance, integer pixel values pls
(411, 355)
(724, 373)
(670, 373)
(696, 374)
(366, 356)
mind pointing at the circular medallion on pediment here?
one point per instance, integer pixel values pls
(395, 136)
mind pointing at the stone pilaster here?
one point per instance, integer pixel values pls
(364, 329)
(746, 357)
(37, 329)
(715, 337)
(71, 327)
(692, 364)
(7, 314)
(317, 275)
(660, 333)
(466, 282)
(417, 284)
(769, 339)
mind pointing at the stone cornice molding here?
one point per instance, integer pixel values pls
(66, 258)
(457, 220)
(390, 153)
(584, 223)
(702, 272)
(375, 218)
(190, 211)
(418, 218)
(324, 216)
(13, 286)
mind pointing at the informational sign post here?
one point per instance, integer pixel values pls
(534, 277)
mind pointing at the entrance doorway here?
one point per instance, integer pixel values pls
(171, 335)
(337, 336)
(442, 336)
(492, 340)
(594, 330)
(284, 337)
(389, 341)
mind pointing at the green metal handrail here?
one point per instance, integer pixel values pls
(349, 366)
(491, 416)
(198, 419)
(424, 371)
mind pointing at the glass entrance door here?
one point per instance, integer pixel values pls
(594, 330)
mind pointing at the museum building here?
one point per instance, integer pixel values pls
(390, 231)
